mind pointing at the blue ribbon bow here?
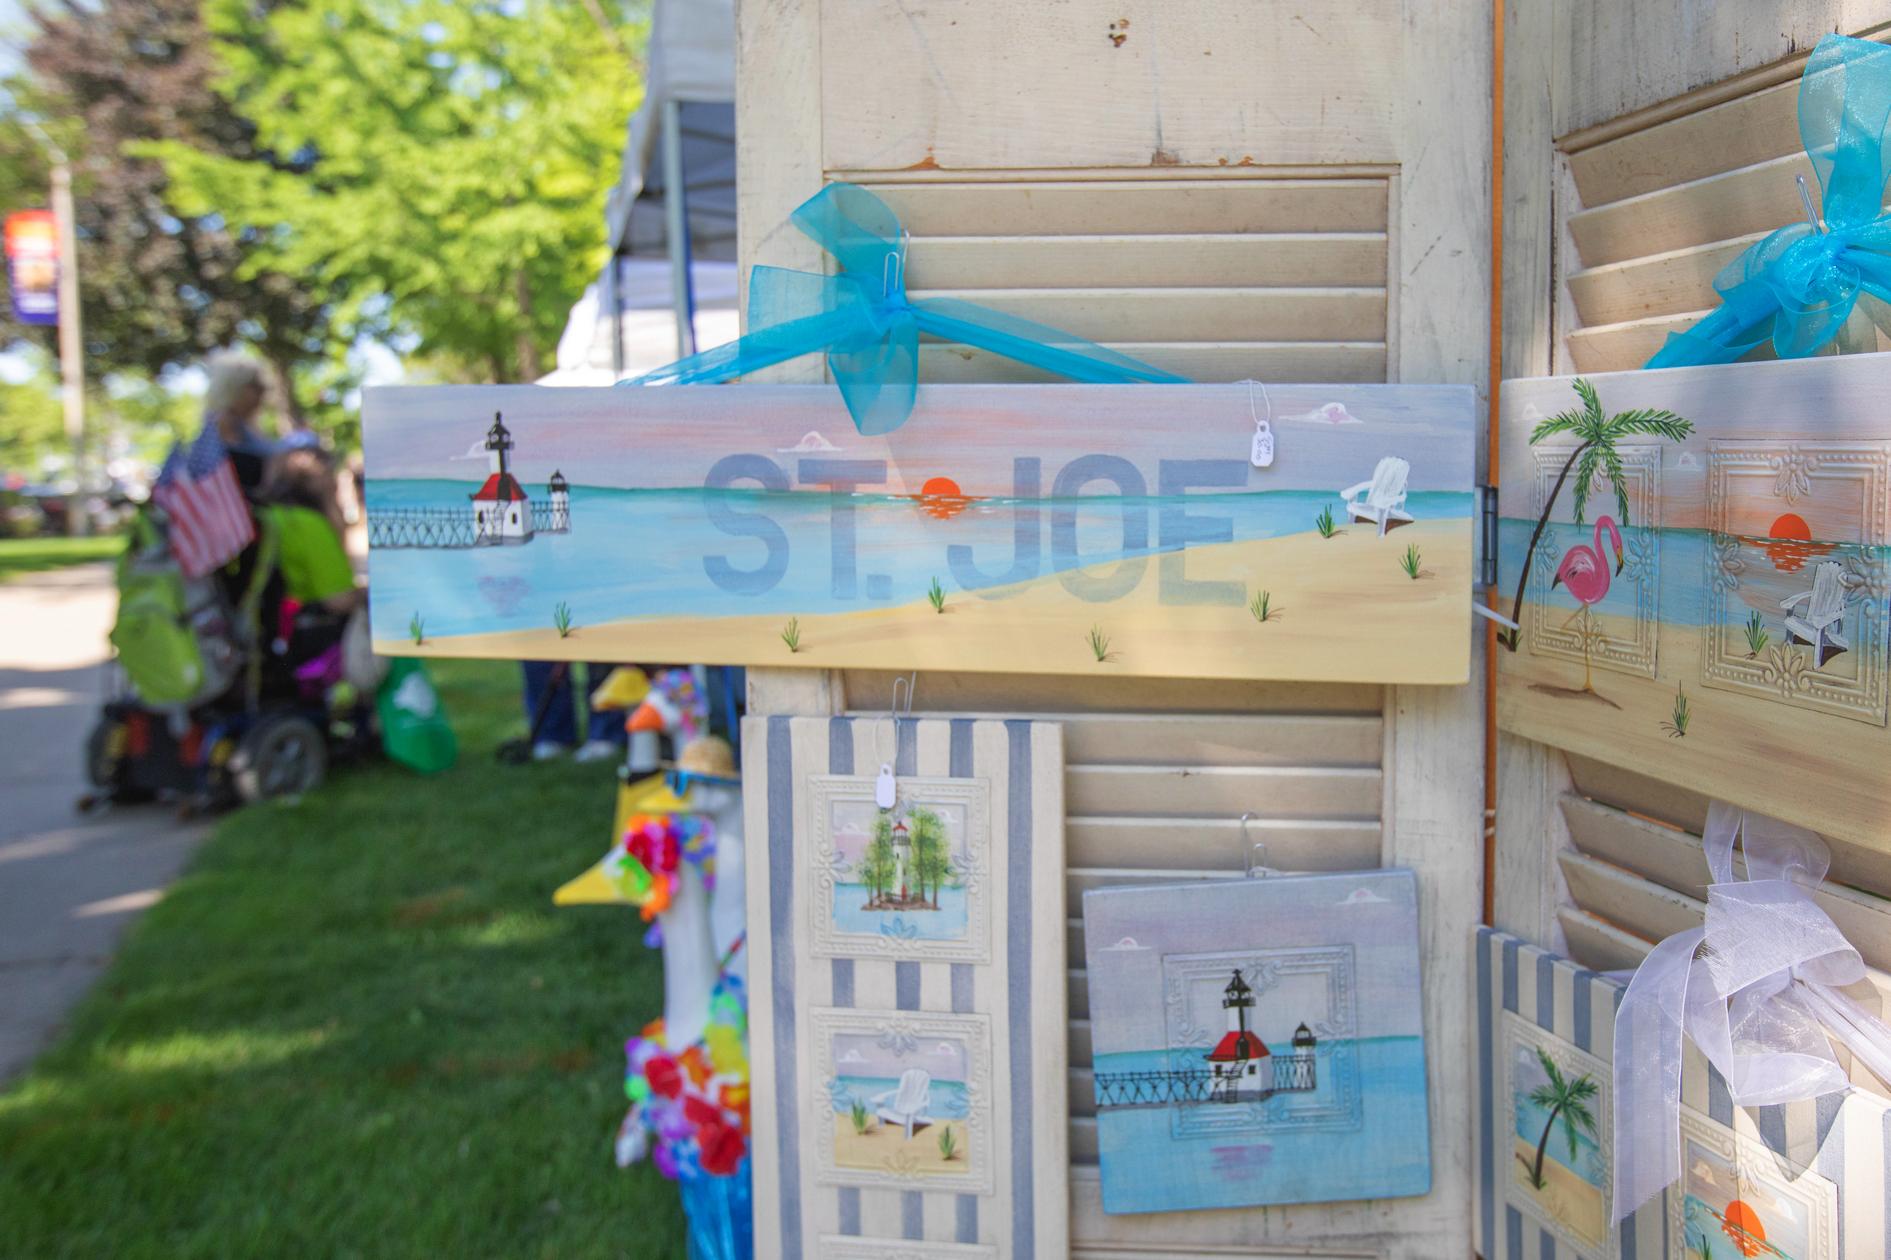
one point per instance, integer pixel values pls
(1798, 286)
(869, 328)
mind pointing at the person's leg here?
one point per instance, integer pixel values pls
(604, 730)
(549, 684)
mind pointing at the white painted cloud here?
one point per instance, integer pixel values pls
(811, 443)
(476, 451)
(851, 1056)
(1364, 897)
(1328, 413)
(1128, 942)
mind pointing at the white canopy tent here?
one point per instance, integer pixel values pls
(670, 286)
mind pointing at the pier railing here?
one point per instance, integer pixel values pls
(421, 527)
(447, 527)
(1293, 1074)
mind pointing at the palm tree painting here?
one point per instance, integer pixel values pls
(1596, 455)
(1566, 1099)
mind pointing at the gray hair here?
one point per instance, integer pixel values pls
(230, 372)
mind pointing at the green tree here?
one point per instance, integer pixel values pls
(453, 157)
(1567, 1099)
(160, 286)
(931, 860)
(1594, 453)
(877, 865)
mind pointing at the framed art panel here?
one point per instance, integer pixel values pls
(1698, 559)
(907, 882)
(1544, 1131)
(1802, 1181)
(908, 999)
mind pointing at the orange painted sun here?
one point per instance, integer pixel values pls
(941, 498)
(1791, 525)
(1789, 543)
(1744, 1227)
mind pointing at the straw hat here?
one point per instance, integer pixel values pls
(709, 755)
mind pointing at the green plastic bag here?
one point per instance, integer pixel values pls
(414, 729)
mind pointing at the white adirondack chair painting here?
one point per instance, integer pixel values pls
(1824, 616)
(1384, 502)
(907, 1106)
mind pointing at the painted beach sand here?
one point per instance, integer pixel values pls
(881, 1084)
(1318, 626)
(1728, 681)
(1569, 1186)
(1043, 530)
(900, 872)
(1258, 1042)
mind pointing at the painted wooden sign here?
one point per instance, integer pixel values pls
(907, 988)
(1258, 1041)
(1039, 529)
(1721, 608)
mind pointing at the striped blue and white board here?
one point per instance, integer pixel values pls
(1796, 1162)
(855, 986)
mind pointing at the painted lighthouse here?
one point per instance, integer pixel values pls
(1242, 1066)
(560, 491)
(502, 512)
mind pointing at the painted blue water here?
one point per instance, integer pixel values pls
(947, 1100)
(947, 923)
(1147, 1169)
(1685, 562)
(1587, 1163)
(647, 553)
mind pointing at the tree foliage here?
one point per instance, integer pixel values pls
(451, 161)
(159, 286)
(878, 866)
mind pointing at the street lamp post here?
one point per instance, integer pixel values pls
(71, 345)
(71, 342)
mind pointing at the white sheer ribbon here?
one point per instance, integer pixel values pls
(1757, 989)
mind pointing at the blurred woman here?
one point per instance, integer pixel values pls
(233, 399)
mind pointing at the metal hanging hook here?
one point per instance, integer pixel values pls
(1251, 868)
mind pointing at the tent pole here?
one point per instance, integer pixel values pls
(676, 227)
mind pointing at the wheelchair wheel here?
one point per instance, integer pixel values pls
(284, 755)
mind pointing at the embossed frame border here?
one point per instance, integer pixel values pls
(974, 1030)
(1521, 1032)
(1797, 468)
(1641, 544)
(1752, 1157)
(1337, 964)
(825, 941)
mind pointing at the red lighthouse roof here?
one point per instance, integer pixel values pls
(1237, 1047)
(500, 488)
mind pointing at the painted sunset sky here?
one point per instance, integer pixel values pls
(670, 437)
(1128, 934)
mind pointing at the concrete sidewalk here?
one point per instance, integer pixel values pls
(69, 885)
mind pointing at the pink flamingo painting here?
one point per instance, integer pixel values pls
(1586, 573)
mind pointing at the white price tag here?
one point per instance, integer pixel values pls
(1261, 454)
(884, 793)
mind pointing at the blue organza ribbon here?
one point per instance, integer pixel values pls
(862, 319)
(1797, 287)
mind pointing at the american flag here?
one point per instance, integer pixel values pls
(197, 489)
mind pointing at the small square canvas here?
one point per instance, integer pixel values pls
(1258, 1042)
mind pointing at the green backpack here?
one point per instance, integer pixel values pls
(177, 639)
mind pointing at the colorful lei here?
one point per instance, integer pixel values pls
(690, 1110)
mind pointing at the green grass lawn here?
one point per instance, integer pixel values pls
(32, 555)
(357, 1027)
